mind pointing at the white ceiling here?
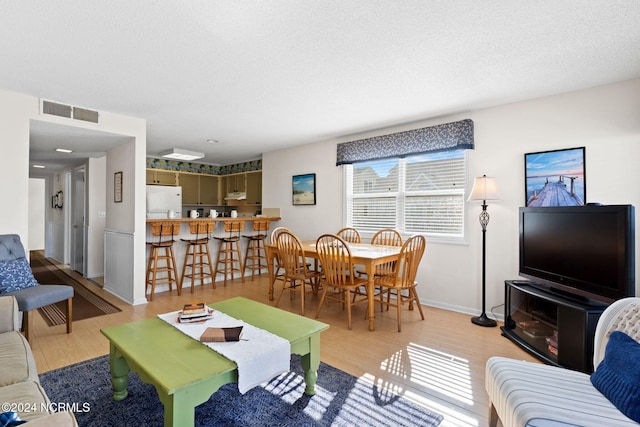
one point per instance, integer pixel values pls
(262, 75)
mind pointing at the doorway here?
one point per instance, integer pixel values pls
(77, 236)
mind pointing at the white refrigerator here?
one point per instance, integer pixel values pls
(161, 199)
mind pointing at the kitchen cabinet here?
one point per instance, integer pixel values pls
(161, 177)
(199, 189)
(254, 188)
(209, 191)
(234, 183)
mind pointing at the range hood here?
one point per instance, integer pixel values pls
(240, 195)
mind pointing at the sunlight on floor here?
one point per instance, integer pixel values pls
(357, 402)
(435, 378)
(440, 372)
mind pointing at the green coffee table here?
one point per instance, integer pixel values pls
(186, 373)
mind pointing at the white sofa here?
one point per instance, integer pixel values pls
(20, 389)
(535, 395)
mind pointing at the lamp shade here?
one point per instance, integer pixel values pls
(484, 188)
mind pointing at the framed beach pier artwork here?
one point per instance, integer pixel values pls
(304, 189)
(555, 178)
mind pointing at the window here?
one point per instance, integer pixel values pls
(416, 194)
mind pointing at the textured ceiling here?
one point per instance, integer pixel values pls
(262, 75)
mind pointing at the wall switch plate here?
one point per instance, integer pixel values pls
(102, 214)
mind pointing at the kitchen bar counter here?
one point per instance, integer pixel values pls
(179, 247)
(221, 219)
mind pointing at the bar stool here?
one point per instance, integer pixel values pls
(255, 251)
(162, 251)
(226, 249)
(198, 250)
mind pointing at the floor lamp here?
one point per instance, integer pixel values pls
(484, 188)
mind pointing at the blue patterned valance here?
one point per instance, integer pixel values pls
(444, 137)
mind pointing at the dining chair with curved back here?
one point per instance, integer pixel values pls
(338, 274)
(274, 234)
(349, 235)
(387, 237)
(296, 274)
(384, 237)
(278, 273)
(402, 282)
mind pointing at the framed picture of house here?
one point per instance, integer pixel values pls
(555, 178)
(304, 189)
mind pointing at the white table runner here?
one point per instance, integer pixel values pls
(260, 355)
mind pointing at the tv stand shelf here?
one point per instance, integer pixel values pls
(555, 328)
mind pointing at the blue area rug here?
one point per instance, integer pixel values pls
(341, 400)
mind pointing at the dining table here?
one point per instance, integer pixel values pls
(365, 254)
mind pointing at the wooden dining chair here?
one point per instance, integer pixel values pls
(385, 237)
(338, 274)
(296, 274)
(402, 283)
(278, 272)
(350, 235)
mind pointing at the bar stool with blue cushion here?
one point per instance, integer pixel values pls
(16, 278)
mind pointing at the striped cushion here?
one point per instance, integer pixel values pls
(536, 395)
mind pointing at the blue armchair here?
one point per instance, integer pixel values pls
(17, 279)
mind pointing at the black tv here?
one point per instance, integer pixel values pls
(586, 251)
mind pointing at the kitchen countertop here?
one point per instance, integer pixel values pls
(240, 218)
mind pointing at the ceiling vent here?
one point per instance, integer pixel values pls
(84, 114)
(54, 109)
(68, 111)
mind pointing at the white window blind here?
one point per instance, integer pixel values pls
(417, 194)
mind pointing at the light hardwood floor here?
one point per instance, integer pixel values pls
(438, 362)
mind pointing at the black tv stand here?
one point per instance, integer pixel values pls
(568, 295)
(556, 328)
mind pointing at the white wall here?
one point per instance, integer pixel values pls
(605, 120)
(125, 229)
(16, 111)
(277, 169)
(37, 210)
(96, 215)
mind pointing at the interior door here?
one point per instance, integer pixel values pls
(78, 216)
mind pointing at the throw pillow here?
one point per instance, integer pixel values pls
(618, 375)
(16, 275)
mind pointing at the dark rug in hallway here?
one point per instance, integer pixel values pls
(86, 304)
(341, 400)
